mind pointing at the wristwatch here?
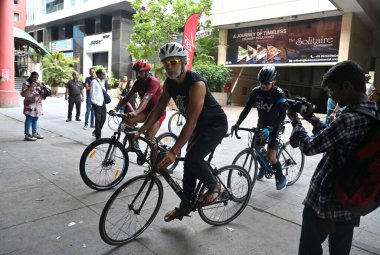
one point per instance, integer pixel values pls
(175, 150)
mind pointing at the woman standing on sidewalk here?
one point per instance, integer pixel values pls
(33, 91)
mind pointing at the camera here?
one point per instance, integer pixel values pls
(301, 105)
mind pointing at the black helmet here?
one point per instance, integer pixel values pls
(267, 74)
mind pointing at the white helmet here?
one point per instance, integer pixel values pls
(172, 49)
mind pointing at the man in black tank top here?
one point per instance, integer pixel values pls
(206, 124)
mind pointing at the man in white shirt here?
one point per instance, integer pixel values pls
(97, 99)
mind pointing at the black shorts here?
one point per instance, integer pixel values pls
(273, 143)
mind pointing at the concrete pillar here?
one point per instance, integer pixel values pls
(345, 37)
(222, 47)
(9, 97)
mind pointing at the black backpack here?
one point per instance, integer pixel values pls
(357, 181)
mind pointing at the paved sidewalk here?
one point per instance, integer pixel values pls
(41, 193)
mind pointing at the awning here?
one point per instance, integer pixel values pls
(24, 36)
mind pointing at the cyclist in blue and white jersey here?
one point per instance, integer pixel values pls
(270, 103)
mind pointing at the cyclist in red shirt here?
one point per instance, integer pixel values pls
(149, 89)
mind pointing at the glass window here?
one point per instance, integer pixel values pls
(16, 17)
(54, 5)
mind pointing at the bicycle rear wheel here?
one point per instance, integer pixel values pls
(235, 195)
(176, 123)
(292, 162)
(247, 159)
(168, 139)
(131, 209)
(103, 164)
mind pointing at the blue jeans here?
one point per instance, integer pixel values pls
(30, 121)
(89, 110)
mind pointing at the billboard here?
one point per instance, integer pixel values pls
(306, 41)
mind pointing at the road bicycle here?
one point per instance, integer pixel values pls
(176, 123)
(135, 204)
(292, 160)
(104, 163)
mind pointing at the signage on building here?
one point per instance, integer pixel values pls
(307, 41)
(61, 45)
(97, 43)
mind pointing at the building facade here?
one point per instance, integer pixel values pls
(95, 32)
(302, 38)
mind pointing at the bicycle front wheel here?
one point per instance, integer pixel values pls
(235, 194)
(247, 159)
(131, 209)
(168, 139)
(176, 122)
(292, 162)
(103, 164)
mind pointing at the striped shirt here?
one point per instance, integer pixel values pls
(336, 142)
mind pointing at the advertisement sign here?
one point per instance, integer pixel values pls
(189, 37)
(61, 45)
(97, 43)
(306, 41)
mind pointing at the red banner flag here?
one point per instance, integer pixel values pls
(188, 41)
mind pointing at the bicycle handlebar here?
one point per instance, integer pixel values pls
(120, 115)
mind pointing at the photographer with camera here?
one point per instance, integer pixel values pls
(324, 215)
(270, 103)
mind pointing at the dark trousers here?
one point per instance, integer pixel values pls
(100, 118)
(199, 146)
(315, 231)
(77, 101)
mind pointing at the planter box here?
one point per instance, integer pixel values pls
(221, 97)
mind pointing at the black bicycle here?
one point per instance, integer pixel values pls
(251, 158)
(176, 123)
(135, 204)
(105, 162)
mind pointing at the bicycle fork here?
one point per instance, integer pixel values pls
(147, 179)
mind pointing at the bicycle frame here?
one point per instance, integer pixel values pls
(256, 150)
(151, 175)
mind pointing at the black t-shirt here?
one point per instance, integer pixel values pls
(270, 106)
(88, 80)
(74, 87)
(211, 110)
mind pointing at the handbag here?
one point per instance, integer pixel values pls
(107, 98)
(47, 91)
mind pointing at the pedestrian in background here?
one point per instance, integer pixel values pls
(33, 91)
(370, 88)
(89, 110)
(333, 111)
(98, 87)
(121, 87)
(132, 104)
(74, 88)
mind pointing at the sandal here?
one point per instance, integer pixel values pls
(176, 213)
(211, 195)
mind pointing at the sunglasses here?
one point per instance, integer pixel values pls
(266, 84)
(171, 61)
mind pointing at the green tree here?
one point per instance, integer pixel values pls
(157, 21)
(57, 70)
(215, 75)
